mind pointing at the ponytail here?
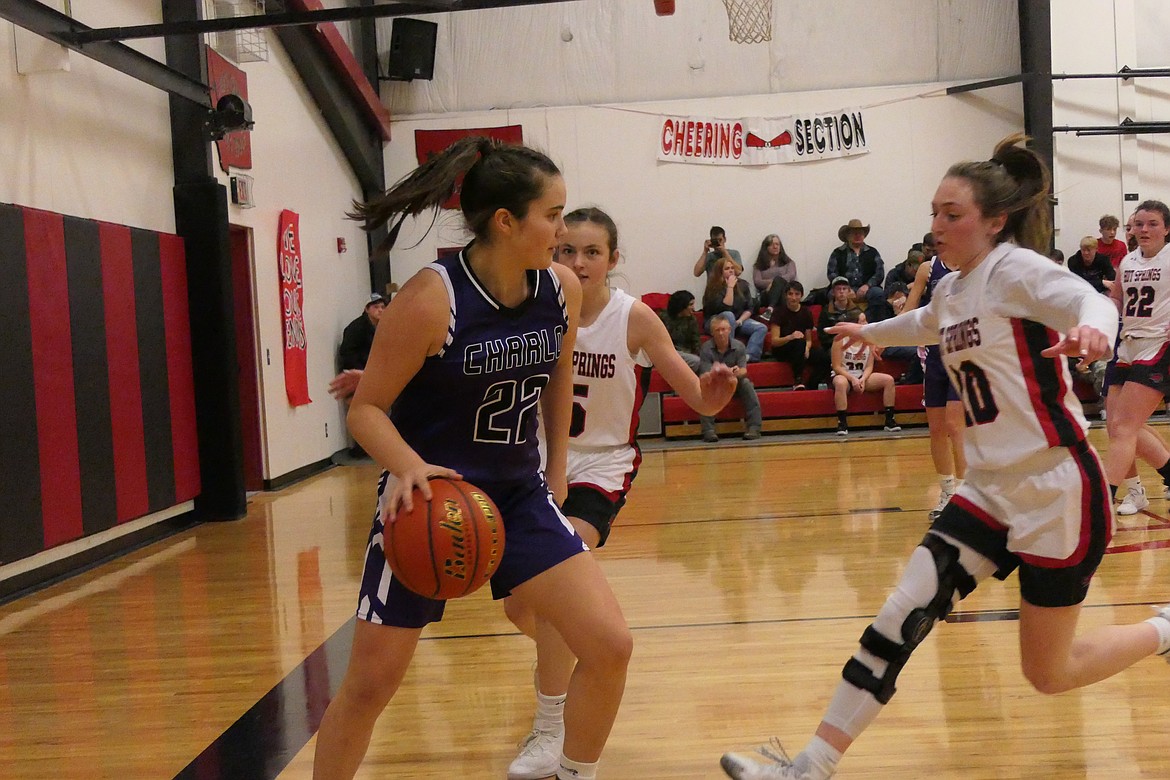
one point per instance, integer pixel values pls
(495, 175)
(1015, 182)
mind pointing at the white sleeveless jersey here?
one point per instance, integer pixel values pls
(1145, 295)
(855, 357)
(991, 327)
(606, 391)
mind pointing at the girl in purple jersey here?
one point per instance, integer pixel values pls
(944, 412)
(461, 357)
(1035, 497)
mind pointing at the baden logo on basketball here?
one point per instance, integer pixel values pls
(453, 523)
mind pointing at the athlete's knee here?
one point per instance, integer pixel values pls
(924, 596)
(609, 648)
(1045, 679)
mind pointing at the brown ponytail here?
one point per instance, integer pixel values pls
(1015, 182)
(495, 176)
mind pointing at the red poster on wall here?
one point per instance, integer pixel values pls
(292, 302)
(235, 149)
(428, 143)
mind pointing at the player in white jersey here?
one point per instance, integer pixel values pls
(853, 373)
(618, 338)
(1035, 494)
(1141, 377)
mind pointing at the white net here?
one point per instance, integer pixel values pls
(749, 21)
(246, 45)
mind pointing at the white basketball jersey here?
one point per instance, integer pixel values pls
(606, 391)
(1145, 295)
(991, 326)
(855, 357)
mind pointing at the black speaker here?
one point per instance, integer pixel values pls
(412, 50)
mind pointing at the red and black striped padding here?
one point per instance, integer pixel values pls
(95, 377)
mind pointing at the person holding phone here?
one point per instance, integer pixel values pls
(714, 250)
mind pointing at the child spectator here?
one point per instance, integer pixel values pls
(853, 373)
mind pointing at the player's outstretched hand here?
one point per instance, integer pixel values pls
(1083, 341)
(851, 331)
(345, 383)
(403, 492)
(718, 385)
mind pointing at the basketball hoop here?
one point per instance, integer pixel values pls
(749, 21)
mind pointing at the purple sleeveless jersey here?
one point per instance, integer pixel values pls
(473, 406)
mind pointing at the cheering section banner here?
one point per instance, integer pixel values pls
(761, 141)
(292, 302)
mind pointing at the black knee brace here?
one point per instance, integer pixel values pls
(951, 577)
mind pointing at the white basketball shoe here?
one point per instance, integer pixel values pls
(539, 757)
(1135, 501)
(778, 765)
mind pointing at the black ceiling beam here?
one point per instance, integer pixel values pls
(340, 112)
(292, 19)
(57, 27)
(1126, 73)
(1127, 127)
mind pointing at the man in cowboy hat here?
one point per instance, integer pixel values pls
(858, 262)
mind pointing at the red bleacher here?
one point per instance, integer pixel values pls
(787, 410)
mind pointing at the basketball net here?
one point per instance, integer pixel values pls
(749, 21)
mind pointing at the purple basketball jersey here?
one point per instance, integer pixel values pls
(473, 406)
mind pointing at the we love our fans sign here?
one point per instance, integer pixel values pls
(292, 312)
(762, 141)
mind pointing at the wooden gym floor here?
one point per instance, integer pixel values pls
(746, 573)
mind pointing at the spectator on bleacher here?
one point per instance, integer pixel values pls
(1130, 239)
(1092, 266)
(794, 339)
(895, 304)
(680, 322)
(858, 262)
(1056, 256)
(773, 272)
(927, 247)
(853, 373)
(839, 306)
(722, 348)
(1109, 245)
(892, 303)
(730, 298)
(714, 250)
(903, 272)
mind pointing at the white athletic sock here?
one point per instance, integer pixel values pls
(576, 770)
(852, 709)
(550, 712)
(1163, 627)
(818, 760)
(948, 483)
(1132, 483)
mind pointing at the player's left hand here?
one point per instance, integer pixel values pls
(345, 383)
(718, 384)
(851, 331)
(1084, 342)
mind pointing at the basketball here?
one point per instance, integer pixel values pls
(446, 547)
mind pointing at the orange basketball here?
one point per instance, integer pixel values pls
(446, 547)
